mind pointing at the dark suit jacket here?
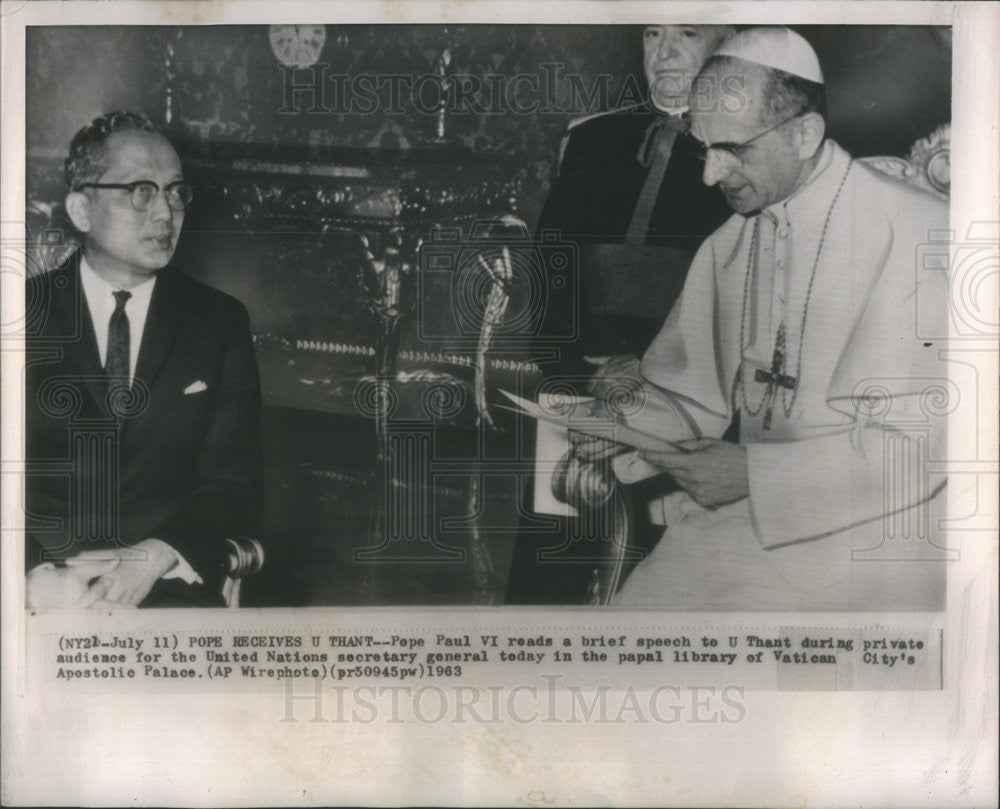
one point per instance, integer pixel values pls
(625, 294)
(177, 458)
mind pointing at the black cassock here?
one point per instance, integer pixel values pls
(629, 195)
(628, 279)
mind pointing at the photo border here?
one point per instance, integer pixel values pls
(815, 747)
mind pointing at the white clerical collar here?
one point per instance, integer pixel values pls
(676, 112)
(826, 159)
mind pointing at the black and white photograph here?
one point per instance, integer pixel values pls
(425, 220)
(543, 383)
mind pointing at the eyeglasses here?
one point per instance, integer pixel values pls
(143, 193)
(736, 152)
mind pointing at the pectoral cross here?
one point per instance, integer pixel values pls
(776, 378)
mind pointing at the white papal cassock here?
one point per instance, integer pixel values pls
(838, 423)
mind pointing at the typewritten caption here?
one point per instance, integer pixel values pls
(779, 657)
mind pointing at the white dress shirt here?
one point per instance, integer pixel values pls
(101, 303)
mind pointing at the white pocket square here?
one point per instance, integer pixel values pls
(195, 387)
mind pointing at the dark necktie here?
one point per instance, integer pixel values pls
(654, 152)
(118, 339)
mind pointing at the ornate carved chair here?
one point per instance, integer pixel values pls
(246, 557)
(928, 165)
(592, 487)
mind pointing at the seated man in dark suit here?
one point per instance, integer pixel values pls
(143, 405)
(629, 193)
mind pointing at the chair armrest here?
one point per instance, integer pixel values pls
(602, 502)
(928, 166)
(246, 557)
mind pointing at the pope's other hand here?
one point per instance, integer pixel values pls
(713, 472)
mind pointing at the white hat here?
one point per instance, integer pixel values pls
(779, 48)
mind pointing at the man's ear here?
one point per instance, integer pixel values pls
(78, 208)
(812, 130)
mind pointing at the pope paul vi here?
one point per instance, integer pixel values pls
(794, 312)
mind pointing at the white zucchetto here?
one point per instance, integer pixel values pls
(779, 48)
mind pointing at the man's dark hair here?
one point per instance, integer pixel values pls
(87, 159)
(785, 95)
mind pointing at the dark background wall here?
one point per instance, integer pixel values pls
(226, 85)
(887, 86)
